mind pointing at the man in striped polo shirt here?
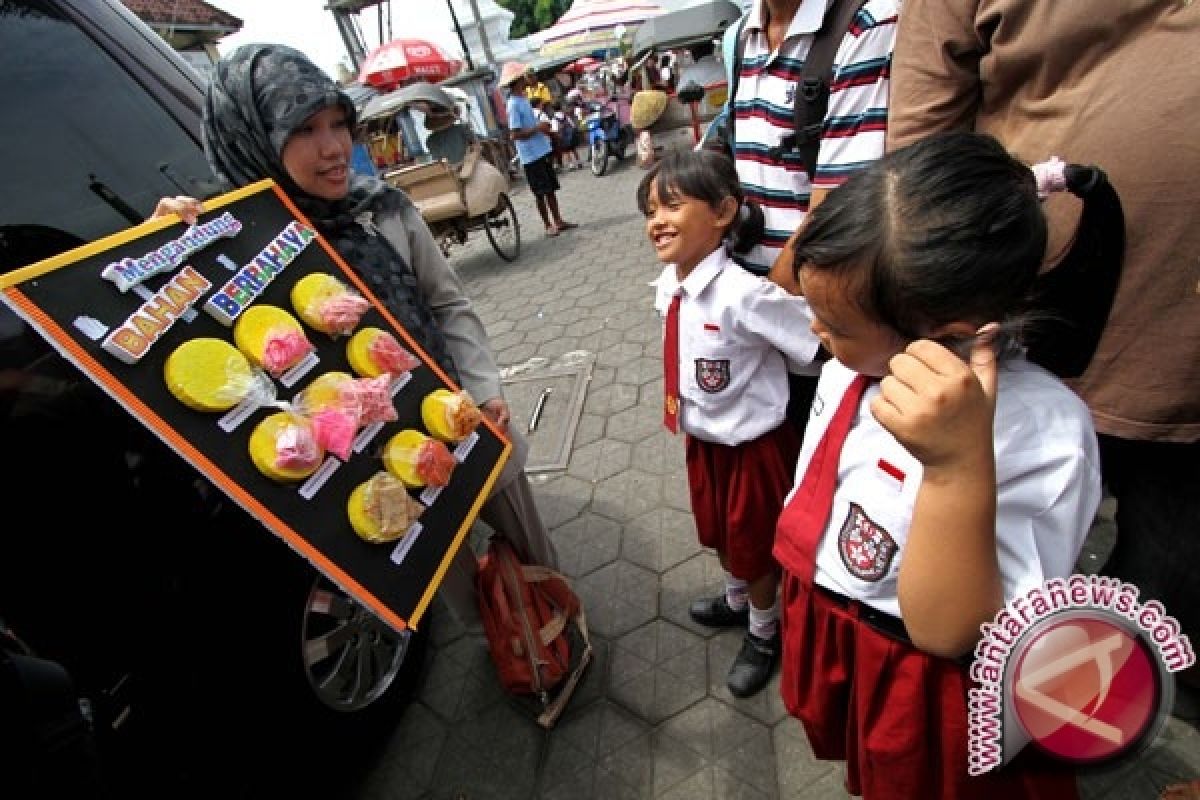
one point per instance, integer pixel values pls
(778, 35)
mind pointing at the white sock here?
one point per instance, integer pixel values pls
(737, 592)
(764, 622)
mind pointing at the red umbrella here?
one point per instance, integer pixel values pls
(584, 64)
(403, 60)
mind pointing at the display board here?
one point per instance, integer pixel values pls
(160, 315)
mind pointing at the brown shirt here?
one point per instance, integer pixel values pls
(1109, 82)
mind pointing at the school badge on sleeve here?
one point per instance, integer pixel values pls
(867, 550)
(712, 375)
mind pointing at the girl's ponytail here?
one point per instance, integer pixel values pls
(1077, 294)
(748, 229)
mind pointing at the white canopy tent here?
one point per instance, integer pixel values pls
(591, 25)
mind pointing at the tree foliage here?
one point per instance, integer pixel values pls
(530, 16)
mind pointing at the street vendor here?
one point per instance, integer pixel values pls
(272, 113)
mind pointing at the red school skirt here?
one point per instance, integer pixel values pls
(895, 715)
(737, 493)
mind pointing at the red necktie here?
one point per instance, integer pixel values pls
(803, 519)
(671, 367)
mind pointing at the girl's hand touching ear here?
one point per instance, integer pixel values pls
(939, 407)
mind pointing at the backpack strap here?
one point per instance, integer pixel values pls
(735, 74)
(567, 604)
(554, 709)
(812, 89)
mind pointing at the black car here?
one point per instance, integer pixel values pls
(197, 654)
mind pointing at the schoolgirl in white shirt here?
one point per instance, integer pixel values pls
(725, 386)
(942, 473)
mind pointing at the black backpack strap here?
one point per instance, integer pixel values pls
(812, 90)
(739, 52)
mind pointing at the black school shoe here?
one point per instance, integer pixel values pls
(753, 666)
(716, 613)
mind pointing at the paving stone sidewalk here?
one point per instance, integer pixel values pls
(653, 718)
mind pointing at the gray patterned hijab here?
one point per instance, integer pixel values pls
(259, 95)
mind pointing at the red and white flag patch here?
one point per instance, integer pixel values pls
(891, 471)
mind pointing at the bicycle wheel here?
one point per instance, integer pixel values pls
(504, 229)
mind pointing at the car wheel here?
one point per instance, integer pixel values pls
(343, 680)
(353, 661)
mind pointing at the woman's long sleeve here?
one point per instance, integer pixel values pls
(465, 335)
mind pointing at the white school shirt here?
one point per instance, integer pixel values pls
(734, 330)
(1047, 483)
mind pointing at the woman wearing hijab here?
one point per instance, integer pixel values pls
(272, 113)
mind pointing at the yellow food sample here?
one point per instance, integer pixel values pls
(364, 360)
(381, 510)
(265, 448)
(208, 374)
(325, 391)
(449, 416)
(256, 324)
(400, 457)
(309, 295)
(358, 353)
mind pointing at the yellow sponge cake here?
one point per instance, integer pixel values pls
(418, 460)
(373, 351)
(208, 374)
(271, 338)
(449, 416)
(381, 510)
(284, 448)
(325, 391)
(328, 305)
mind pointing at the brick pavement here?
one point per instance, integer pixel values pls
(653, 718)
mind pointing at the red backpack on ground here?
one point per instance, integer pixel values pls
(529, 615)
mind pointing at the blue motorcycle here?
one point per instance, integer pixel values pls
(606, 136)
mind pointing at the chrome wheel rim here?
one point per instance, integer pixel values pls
(351, 656)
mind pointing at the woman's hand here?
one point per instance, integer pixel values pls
(186, 208)
(939, 407)
(496, 409)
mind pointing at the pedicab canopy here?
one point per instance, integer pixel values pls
(249, 347)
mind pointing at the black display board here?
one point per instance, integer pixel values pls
(68, 301)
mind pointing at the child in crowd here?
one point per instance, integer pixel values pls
(725, 382)
(565, 137)
(942, 474)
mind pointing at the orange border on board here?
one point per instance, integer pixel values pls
(49, 327)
